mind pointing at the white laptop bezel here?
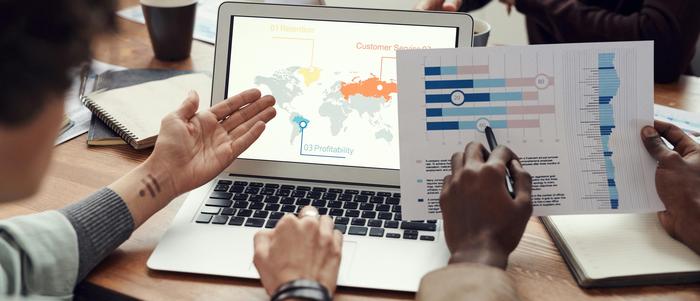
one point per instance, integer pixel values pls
(307, 171)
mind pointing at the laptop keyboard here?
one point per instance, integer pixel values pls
(374, 213)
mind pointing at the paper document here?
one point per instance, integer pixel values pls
(74, 109)
(688, 121)
(573, 113)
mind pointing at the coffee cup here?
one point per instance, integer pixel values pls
(170, 26)
(482, 30)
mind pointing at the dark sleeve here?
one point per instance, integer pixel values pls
(470, 5)
(673, 25)
(102, 222)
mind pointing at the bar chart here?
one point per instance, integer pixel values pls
(471, 97)
(572, 114)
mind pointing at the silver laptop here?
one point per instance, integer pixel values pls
(334, 143)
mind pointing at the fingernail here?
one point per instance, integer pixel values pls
(515, 162)
(649, 132)
(192, 93)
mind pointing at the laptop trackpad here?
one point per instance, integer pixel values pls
(345, 262)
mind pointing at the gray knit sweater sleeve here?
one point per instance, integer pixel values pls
(102, 222)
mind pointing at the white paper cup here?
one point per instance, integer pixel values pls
(482, 30)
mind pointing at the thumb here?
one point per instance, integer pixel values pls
(667, 223)
(188, 107)
(451, 5)
(430, 5)
(654, 145)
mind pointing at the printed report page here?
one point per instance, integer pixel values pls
(573, 113)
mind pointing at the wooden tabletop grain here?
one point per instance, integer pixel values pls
(78, 170)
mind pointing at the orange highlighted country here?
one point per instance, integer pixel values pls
(371, 87)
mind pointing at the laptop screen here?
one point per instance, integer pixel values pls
(334, 82)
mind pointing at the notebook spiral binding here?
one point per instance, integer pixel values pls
(117, 127)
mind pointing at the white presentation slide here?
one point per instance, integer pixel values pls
(335, 85)
(573, 113)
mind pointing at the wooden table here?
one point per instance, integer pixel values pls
(77, 171)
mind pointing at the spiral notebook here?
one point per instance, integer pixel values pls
(135, 112)
(621, 250)
(99, 134)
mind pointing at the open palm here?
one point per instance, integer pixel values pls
(195, 147)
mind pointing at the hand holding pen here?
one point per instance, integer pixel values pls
(491, 139)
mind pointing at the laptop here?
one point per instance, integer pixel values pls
(334, 143)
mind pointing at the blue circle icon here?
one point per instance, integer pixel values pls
(457, 97)
(303, 124)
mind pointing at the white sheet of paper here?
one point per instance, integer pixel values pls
(688, 121)
(74, 109)
(572, 112)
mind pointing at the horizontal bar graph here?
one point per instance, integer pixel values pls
(457, 70)
(473, 125)
(538, 81)
(479, 97)
(460, 97)
(486, 111)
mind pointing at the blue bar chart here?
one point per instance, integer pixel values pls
(608, 84)
(458, 98)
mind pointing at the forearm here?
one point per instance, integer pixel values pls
(101, 222)
(666, 22)
(145, 190)
(106, 219)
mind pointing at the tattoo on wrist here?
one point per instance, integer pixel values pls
(151, 185)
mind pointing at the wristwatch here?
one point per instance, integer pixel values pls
(302, 289)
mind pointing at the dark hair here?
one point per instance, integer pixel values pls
(41, 45)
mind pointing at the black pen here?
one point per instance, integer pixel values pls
(491, 138)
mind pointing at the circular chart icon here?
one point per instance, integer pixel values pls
(457, 98)
(481, 124)
(303, 124)
(541, 81)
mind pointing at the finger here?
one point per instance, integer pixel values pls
(261, 239)
(523, 185)
(667, 223)
(501, 155)
(451, 5)
(233, 103)
(656, 147)
(326, 230)
(285, 222)
(429, 4)
(681, 142)
(457, 162)
(247, 112)
(242, 143)
(188, 107)
(446, 181)
(266, 115)
(326, 234)
(338, 240)
(309, 211)
(261, 244)
(474, 154)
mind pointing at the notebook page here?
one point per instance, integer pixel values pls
(140, 108)
(623, 245)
